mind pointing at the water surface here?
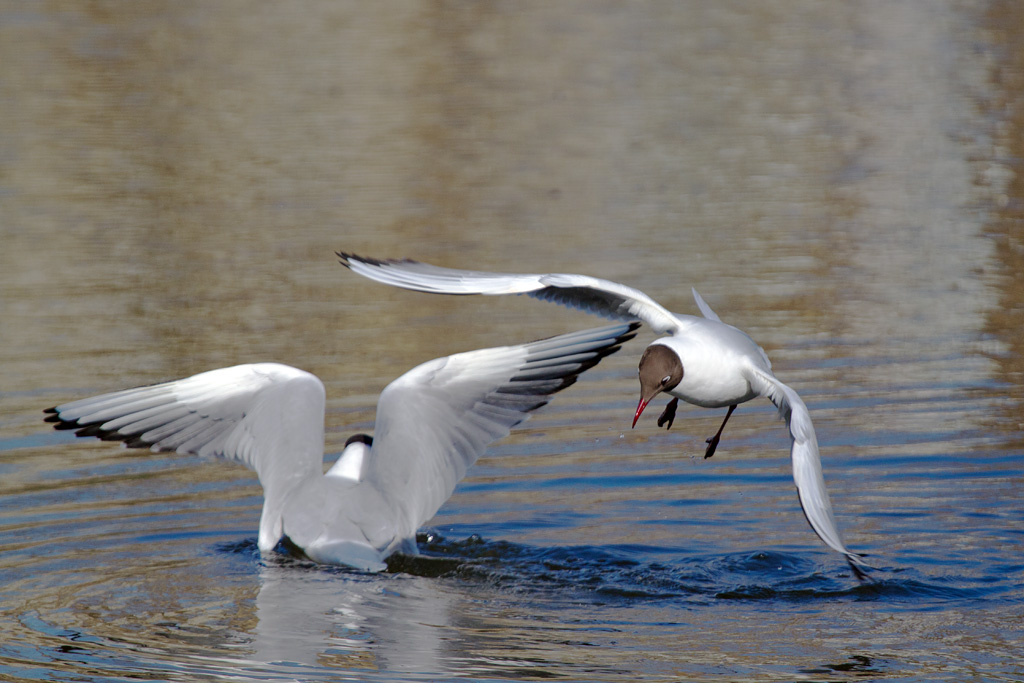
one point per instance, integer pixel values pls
(839, 180)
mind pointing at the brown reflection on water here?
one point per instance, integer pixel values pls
(183, 174)
(177, 176)
(1004, 173)
(174, 178)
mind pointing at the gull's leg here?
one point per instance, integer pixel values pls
(713, 441)
(669, 414)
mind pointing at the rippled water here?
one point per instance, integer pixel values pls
(840, 180)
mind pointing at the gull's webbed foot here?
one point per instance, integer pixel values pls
(712, 445)
(669, 414)
(713, 441)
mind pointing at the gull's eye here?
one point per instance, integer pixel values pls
(666, 379)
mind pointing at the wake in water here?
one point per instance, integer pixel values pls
(607, 575)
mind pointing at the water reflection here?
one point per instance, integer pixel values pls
(318, 618)
(841, 183)
(462, 608)
(1001, 175)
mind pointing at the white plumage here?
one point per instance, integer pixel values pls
(718, 365)
(432, 423)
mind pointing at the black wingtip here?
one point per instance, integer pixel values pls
(88, 430)
(859, 568)
(346, 258)
(630, 333)
(562, 380)
(132, 442)
(53, 417)
(93, 430)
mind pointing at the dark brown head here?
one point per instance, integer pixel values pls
(660, 370)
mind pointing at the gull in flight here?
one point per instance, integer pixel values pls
(432, 423)
(702, 361)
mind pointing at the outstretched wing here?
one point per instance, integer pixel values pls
(267, 416)
(434, 421)
(810, 482)
(590, 294)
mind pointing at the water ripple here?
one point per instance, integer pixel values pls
(610, 574)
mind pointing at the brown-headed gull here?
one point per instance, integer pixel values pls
(702, 361)
(432, 423)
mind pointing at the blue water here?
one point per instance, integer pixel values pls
(841, 181)
(637, 559)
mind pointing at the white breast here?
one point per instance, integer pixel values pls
(714, 357)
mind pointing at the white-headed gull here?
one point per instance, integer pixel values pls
(432, 423)
(702, 361)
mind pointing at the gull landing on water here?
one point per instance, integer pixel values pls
(432, 423)
(702, 361)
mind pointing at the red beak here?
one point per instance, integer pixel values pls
(639, 409)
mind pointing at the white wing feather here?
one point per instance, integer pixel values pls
(618, 301)
(267, 416)
(432, 424)
(705, 310)
(810, 482)
(434, 421)
(589, 294)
